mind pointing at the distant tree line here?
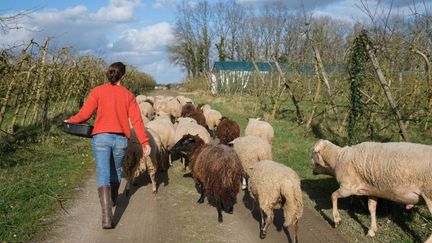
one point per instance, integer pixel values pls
(387, 84)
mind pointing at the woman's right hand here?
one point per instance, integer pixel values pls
(146, 150)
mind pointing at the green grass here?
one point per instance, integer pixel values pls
(36, 179)
(292, 146)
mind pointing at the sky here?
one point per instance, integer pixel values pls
(136, 32)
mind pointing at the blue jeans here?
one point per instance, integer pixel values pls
(109, 150)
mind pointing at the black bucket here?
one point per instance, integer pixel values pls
(78, 129)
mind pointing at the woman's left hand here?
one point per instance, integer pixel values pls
(146, 150)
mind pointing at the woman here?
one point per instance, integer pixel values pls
(114, 105)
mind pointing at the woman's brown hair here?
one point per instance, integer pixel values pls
(115, 72)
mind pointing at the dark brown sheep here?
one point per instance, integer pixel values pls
(198, 116)
(227, 130)
(187, 109)
(215, 168)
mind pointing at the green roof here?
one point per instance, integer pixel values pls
(271, 66)
(244, 66)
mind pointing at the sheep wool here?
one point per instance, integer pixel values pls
(251, 150)
(271, 184)
(227, 130)
(259, 128)
(134, 163)
(397, 171)
(192, 129)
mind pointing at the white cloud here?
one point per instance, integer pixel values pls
(119, 11)
(165, 3)
(154, 37)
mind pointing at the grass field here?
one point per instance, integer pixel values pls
(292, 146)
(36, 180)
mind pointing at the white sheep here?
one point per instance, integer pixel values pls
(174, 108)
(140, 98)
(134, 163)
(397, 171)
(259, 128)
(146, 109)
(272, 184)
(212, 117)
(166, 131)
(250, 150)
(184, 120)
(183, 100)
(162, 115)
(192, 129)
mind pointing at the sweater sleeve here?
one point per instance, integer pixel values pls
(137, 123)
(86, 110)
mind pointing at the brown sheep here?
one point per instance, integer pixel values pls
(227, 130)
(199, 117)
(215, 168)
(187, 109)
(135, 163)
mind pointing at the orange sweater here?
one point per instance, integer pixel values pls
(114, 105)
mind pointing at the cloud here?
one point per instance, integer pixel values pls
(165, 3)
(145, 49)
(119, 11)
(154, 37)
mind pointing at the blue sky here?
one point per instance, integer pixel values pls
(134, 31)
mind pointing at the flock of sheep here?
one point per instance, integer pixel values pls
(220, 162)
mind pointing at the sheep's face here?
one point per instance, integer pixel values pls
(187, 144)
(320, 166)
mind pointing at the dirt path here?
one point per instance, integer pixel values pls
(172, 215)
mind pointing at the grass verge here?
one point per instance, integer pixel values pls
(292, 146)
(36, 179)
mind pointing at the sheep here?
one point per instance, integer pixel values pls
(215, 168)
(212, 116)
(140, 98)
(146, 109)
(188, 125)
(134, 163)
(251, 150)
(270, 184)
(397, 171)
(192, 129)
(259, 128)
(183, 100)
(184, 120)
(166, 131)
(187, 109)
(227, 130)
(174, 108)
(198, 116)
(162, 115)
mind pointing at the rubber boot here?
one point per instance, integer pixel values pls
(105, 201)
(114, 193)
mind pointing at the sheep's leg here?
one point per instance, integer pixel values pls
(429, 205)
(170, 159)
(244, 183)
(372, 203)
(219, 211)
(183, 162)
(202, 197)
(268, 220)
(296, 231)
(262, 233)
(152, 174)
(340, 193)
(127, 188)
